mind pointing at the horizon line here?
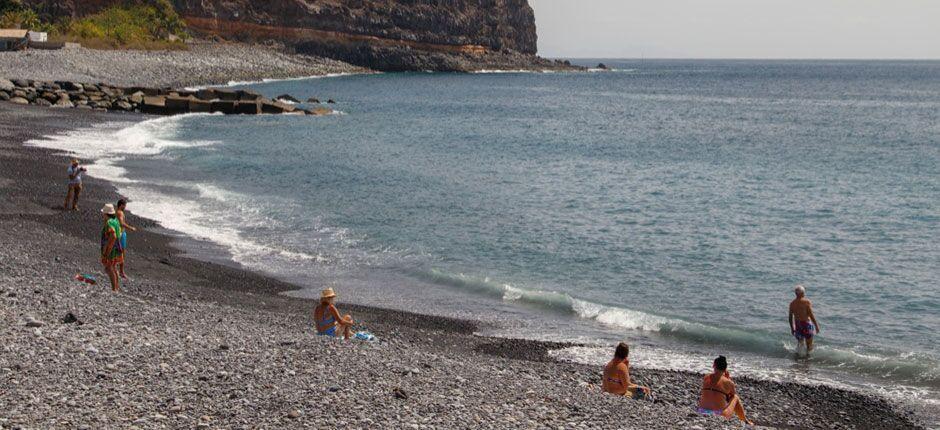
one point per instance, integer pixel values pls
(746, 58)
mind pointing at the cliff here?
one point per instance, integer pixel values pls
(440, 35)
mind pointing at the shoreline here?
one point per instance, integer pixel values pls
(173, 283)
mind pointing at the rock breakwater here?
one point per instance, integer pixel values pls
(156, 101)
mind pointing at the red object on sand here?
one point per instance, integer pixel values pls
(88, 279)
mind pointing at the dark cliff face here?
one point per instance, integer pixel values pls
(446, 35)
(495, 24)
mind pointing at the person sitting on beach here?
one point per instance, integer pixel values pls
(75, 185)
(121, 206)
(616, 378)
(718, 393)
(111, 253)
(327, 317)
(803, 323)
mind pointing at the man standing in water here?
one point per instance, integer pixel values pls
(803, 323)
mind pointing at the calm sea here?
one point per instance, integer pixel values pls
(672, 204)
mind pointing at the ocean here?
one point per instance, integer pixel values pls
(670, 204)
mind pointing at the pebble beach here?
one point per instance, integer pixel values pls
(193, 344)
(205, 63)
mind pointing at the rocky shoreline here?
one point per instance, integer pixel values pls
(195, 344)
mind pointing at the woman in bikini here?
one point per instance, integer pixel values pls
(327, 318)
(718, 393)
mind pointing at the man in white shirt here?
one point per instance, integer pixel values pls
(75, 185)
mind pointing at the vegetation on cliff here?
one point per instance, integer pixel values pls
(134, 24)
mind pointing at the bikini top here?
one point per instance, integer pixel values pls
(706, 387)
(326, 319)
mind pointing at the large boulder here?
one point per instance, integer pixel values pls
(249, 95)
(71, 86)
(247, 107)
(223, 106)
(286, 98)
(6, 85)
(275, 107)
(196, 105)
(154, 105)
(207, 94)
(137, 97)
(175, 104)
(43, 102)
(226, 94)
(318, 111)
(122, 105)
(4, 95)
(22, 83)
(19, 101)
(145, 91)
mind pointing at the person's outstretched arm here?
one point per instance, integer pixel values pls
(124, 223)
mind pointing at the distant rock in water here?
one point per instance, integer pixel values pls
(331, 101)
(602, 66)
(313, 100)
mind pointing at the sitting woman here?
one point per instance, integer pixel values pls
(718, 393)
(327, 316)
(616, 377)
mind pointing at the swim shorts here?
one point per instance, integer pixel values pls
(804, 330)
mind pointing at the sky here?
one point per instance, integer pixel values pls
(866, 29)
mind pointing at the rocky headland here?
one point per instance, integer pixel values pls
(387, 35)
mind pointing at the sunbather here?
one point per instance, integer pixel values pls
(616, 378)
(327, 318)
(718, 393)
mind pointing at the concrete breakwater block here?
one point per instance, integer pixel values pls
(156, 101)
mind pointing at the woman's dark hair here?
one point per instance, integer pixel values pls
(122, 202)
(111, 216)
(721, 363)
(622, 351)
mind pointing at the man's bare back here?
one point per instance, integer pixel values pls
(801, 308)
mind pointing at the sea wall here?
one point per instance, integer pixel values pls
(157, 101)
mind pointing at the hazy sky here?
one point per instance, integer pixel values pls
(739, 28)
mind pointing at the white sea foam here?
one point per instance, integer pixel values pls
(211, 213)
(267, 80)
(913, 369)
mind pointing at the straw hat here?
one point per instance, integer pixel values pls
(108, 209)
(327, 294)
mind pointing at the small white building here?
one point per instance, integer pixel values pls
(38, 36)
